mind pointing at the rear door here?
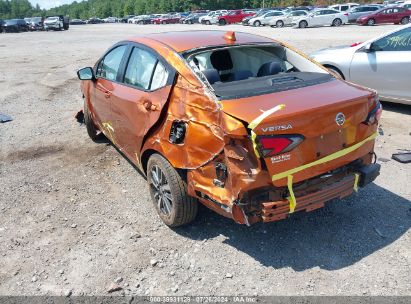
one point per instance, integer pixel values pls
(388, 67)
(146, 83)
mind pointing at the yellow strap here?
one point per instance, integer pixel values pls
(324, 159)
(264, 115)
(292, 200)
(253, 137)
(357, 179)
(257, 121)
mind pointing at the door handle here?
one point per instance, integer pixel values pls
(150, 106)
(107, 94)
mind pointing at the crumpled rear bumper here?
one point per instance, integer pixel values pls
(279, 210)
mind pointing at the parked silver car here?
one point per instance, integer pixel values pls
(359, 11)
(382, 63)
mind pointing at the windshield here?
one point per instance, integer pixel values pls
(249, 70)
(52, 18)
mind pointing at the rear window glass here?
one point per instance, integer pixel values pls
(253, 70)
(140, 69)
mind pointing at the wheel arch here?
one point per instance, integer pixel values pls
(333, 66)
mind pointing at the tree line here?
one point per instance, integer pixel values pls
(105, 8)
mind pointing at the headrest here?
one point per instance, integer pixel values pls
(221, 60)
(211, 75)
(269, 68)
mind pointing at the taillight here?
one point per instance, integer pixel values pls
(277, 144)
(346, 14)
(375, 115)
(355, 44)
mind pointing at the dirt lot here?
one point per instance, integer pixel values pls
(75, 216)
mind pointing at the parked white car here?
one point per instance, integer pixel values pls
(265, 18)
(344, 6)
(53, 23)
(110, 20)
(321, 17)
(212, 16)
(287, 19)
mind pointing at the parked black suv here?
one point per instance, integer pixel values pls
(15, 26)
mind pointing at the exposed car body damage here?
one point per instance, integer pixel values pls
(217, 141)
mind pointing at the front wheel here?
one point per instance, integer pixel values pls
(337, 22)
(303, 24)
(222, 22)
(169, 193)
(92, 131)
(371, 22)
(257, 23)
(405, 20)
(208, 22)
(279, 23)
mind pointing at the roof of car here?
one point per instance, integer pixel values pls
(188, 40)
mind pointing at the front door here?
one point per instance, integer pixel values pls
(107, 72)
(387, 67)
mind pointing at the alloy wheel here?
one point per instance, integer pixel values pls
(161, 190)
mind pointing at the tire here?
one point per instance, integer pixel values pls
(279, 23)
(336, 71)
(163, 22)
(92, 131)
(208, 22)
(371, 22)
(257, 23)
(337, 22)
(169, 193)
(140, 22)
(222, 22)
(405, 20)
(303, 24)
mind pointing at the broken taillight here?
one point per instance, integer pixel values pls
(375, 115)
(277, 144)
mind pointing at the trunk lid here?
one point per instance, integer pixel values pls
(329, 116)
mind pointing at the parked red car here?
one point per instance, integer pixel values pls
(396, 15)
(234, 17)
(167, 19)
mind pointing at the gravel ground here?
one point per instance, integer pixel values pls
(76, 218)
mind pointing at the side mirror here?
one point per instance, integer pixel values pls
(86, 74)
(368, 48)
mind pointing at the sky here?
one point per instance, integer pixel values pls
(50, 3)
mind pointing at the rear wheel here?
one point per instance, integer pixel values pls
(279, 23)
(222, 22)
(208, 22)
(169, 193)
(405, 20)
(337, 22)
(257, 23)
(371, 22)
(303, 24)
(163, 22)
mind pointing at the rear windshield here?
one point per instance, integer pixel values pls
(250, 70)
(11, 22)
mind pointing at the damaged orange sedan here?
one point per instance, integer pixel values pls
(244, 124)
